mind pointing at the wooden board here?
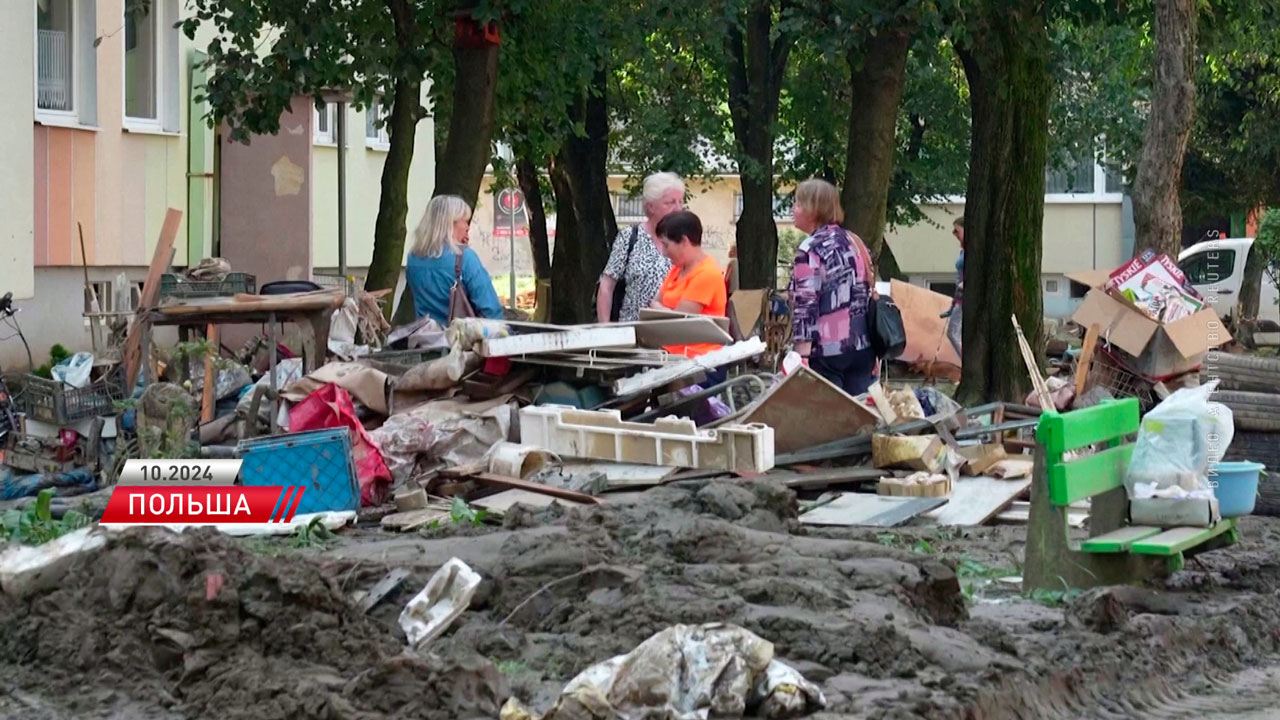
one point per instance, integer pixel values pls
(385, 586)
(160, 260)
(511, 483)
(505, 500)
(1086, 358)
(1019, 513)
(683, 331)
(975, 500)
(867, 510)
(805, 410)
(747, 306)
(621, 475)
(826, 478)
(414, 519)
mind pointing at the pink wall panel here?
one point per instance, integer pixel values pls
(60, 162)
(42, 195)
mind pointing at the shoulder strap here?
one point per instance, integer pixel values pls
(457, 266)
(869, 269)
(631, 245)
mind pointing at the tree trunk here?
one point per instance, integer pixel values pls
(878, 75)
(1251, 290)
(460, 167)
(393, 202)
(585, 225)
(1157, 210)
(1005, 60)
(756, 68)
(539, 243)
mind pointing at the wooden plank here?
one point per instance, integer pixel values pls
(505, 500)
(826, 478)
(1089, 476)
(1108, 421)
(558, 342)
(385, 586)
(865, 509)
(1118, 541)
(207, 398)
(975, 500)
(649, 314)
(1019, 513)
(1086, 358)
(160, 260)
(1033, 368)
(683, 331)
(1178, 540)
(414, 519)
(511, 483)
(806, 409)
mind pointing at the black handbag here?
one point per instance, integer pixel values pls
(884, 325)
(620, 288)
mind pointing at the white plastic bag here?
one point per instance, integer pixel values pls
(74, 370)
(1180, 439)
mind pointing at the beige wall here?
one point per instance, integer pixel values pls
(17, 150)
(1077, 236)
(364, 190)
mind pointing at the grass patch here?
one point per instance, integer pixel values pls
(35, 524)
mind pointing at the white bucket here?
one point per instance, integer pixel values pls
(519, 461)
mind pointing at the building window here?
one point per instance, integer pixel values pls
(375, 126)
(151, 65)
(66, 64)
(326, 124)
(943, 287)
(1051, 287)
(628, 207)
(1076, 178)
(781, 207)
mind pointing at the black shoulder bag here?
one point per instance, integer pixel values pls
(620, 289)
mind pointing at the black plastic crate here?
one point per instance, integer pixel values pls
(178, 286)
(55, 402)
(406, 358)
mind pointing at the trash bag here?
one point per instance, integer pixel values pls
(888, 334)
(75, 370)
(1180, 440)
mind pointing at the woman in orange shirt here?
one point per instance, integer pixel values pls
(695, 284)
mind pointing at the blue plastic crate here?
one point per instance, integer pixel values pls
(319, 460)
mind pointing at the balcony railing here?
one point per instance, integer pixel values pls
(53, 89)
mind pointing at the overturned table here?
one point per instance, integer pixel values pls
(310, 311)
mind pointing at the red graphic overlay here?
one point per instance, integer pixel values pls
(188, 504)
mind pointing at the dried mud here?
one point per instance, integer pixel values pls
(878, 619)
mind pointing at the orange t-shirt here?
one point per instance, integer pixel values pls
(703, 284)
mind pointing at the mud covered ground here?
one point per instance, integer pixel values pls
(916, 623)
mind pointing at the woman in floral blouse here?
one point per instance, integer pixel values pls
(831, 287)
(637, 256)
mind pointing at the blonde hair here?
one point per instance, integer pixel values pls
(659, 184)
(435, 229)
(822, 199)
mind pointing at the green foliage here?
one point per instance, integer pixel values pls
(1054, 598)
(313, 535)
(1267, 243)
(35, 525)
(57, 354)
(460, 513)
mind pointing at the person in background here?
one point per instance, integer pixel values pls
(695, 284)
(955, 314)
(439, 242)
(831, 288)
(637, 257)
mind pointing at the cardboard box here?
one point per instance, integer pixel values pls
(910, 452)
(981, 458)
(1158, 350)
(1174, 512)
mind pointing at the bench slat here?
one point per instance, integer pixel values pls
(1067, 431)
(1089, 476)
(1177, 540)
(1120, 540)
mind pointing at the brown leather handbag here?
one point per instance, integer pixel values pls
(459, 305)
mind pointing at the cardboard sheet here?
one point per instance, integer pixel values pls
(926, 332)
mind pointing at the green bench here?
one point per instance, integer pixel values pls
(1115, 552)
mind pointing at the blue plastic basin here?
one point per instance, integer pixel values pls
(1237, 486)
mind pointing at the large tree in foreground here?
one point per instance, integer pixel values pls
(1157, 208)
(1005, 50)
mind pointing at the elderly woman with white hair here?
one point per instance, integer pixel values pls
(440, 258)
(637, 259)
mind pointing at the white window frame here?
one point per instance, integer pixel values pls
(167, 71)
(619, 198)
(329, 137)
(779, 214)
(82, 71)
(380, 140)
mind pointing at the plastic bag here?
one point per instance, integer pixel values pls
(74, 370)
(1180, 440)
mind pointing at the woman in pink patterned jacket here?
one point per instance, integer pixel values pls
(831, 288)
